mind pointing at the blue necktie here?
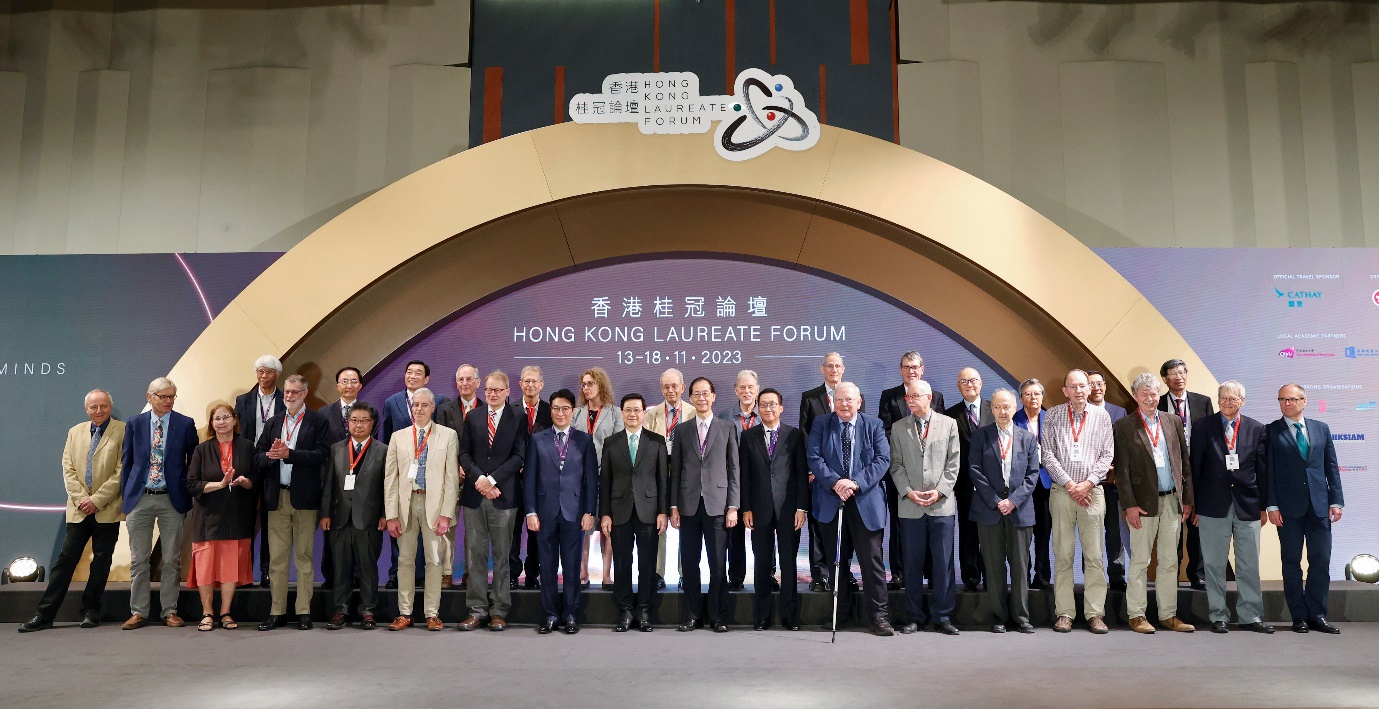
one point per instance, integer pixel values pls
(1302, 440)
(847, 449)
(91, 453)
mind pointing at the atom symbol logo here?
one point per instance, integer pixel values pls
(766, 112)
(777, 116)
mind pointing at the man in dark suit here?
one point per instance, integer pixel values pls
(450, 413)
(1188, 407)
(1228, 483)
(848, 454)
(971, 413)
(1304, 499)
(158, 447)
(492, 453)
(559, 496)
(293, 454)
(891, 409)
(352, 512)
(704, 500)
(634, 501)
(775, 500)
(348, 382)
(1005, 471)
(537, 414)
(254, 409)
(814, 403)
(743, 415)
(1115, 528)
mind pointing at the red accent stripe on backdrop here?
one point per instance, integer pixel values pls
(730, 40)
(772, 6)
(857, 16)
(560, 94)
(823, 95)
(656, 37)
(493, 103)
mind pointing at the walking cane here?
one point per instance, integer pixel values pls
(837, 571)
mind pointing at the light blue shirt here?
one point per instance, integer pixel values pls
(152, 426)
(1161, 448)
(284, 467)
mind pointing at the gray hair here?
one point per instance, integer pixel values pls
(423, 391)
(112, 399)
(676, 373)
(298, 379)
(837, 391)
(160, 384)
(534, 370)
(747, 373)
(919, 386)
(1145, 379)
(1004, 390)
(1301, 389)
(268, 361)
(830, 354)
(1233, 387)
(911, 355)
(1031, 382)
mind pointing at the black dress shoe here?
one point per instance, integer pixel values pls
(391, 585)
(882, 628)
(1299, 626)
(1197, 585)
(644, 620)
(736, 586)
(303, 622)
(513, 585)
(90, 620)
(1117, 584)
(970, 586)
(946, 627)
(852, 584)
(1256, 627)
(690, 623)
(546, 626)
(772, 584)
(263, 583)
(720, 627)
(35, 624)
(909, 628)
(532, 584)
(571, 626)
(273, 622)
(897, 583)
(1025, 628)
(817, 586)
(1320, 625)
(761, 625)
(624, 622)
(1038, 585)
(791, 624)
(998, 628)
(1219, 627)
(660, 582)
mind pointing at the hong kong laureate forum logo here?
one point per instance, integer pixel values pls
(766, 111)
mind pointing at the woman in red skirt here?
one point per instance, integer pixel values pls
(221, 479)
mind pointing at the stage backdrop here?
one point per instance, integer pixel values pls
(1262, 316)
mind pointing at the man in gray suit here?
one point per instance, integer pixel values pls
(1004, 469)
(352, 510)
(704, 499)
(924, 465)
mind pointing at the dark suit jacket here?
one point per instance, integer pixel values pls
(247, 409)
(991, 486)
(774, 487)
(825, 457)
(361, 507)
(503, 461)
(1198, 406)
(228, 513)
(958, 412)
(893, 407)
(814, 403)
(1213, 487)
(552, 492)
(1137, 478)
(543, 415)
(713, 475)
(1293, 482)
(308, 458)
(397, 416)
(644, 485)
(335, 423)
(179, 441)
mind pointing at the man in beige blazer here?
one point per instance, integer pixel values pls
(925, 456)
(421, 481)
(662, 419)
(91, 474)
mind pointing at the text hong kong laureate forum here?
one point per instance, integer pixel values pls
(678, 333)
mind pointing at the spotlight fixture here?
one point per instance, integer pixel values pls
(22, 569)
(1364, 567)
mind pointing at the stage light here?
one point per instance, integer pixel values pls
(22, 569)
(1364, 567)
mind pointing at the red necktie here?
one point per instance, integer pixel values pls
(531, 418)
(492, 429)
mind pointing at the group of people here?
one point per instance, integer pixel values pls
(1002, 472)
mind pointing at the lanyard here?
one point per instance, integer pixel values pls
(562, 443)
(747, 420)
(1076, 429)
(1005, 447)
(1154, 434)
(675, 420)
(265, 413)
(1235, 436)
(354, 460)
(923, 425)
(419, 446)
(288, 429)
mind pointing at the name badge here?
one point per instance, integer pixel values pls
(1158, 457)
(1075, 453)
(1233, 461)
(412, 472)
(349, 482)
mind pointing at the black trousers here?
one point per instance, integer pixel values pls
(515, 566)
(561, 542)
(327, 565)
(828, 540)
(969, 548)
(704, 532)
(355, 553)
(737, 555)
(102, 536)
(1043, 535)
(263, 542)
(870, 559)
(897, 543)
(779, 534)
(1192, 549)
(643, 536)
(1115, 546)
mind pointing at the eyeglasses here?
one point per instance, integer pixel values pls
(768, 405)
(265, 370)
(965, 382)
(530, 381)
(637, 411)
(916, 397)
(1234, 399)
(586, 385)
(700, 394)
(1291, 400)
(293, 392)
(222, 419)
(360, 421)
(495, 389)
(561, 409)
(912, 367)
(164, 397)
(347, 382)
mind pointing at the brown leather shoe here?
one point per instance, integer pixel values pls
(172, 620)
(447, 581)
(434, 623)
(498, 623)
(1064, 624)
(469, 623)
(1098, 626)
(1140, 624)
(1176, 625)
(135, 622)
(401, 622)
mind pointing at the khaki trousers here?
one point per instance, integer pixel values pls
(1072, 522)
(419, 527)
(1156, 535)
(291, 535)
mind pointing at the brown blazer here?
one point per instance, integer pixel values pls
(105, 471)
(1137, 478)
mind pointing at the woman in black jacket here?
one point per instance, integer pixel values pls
(221, 479)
